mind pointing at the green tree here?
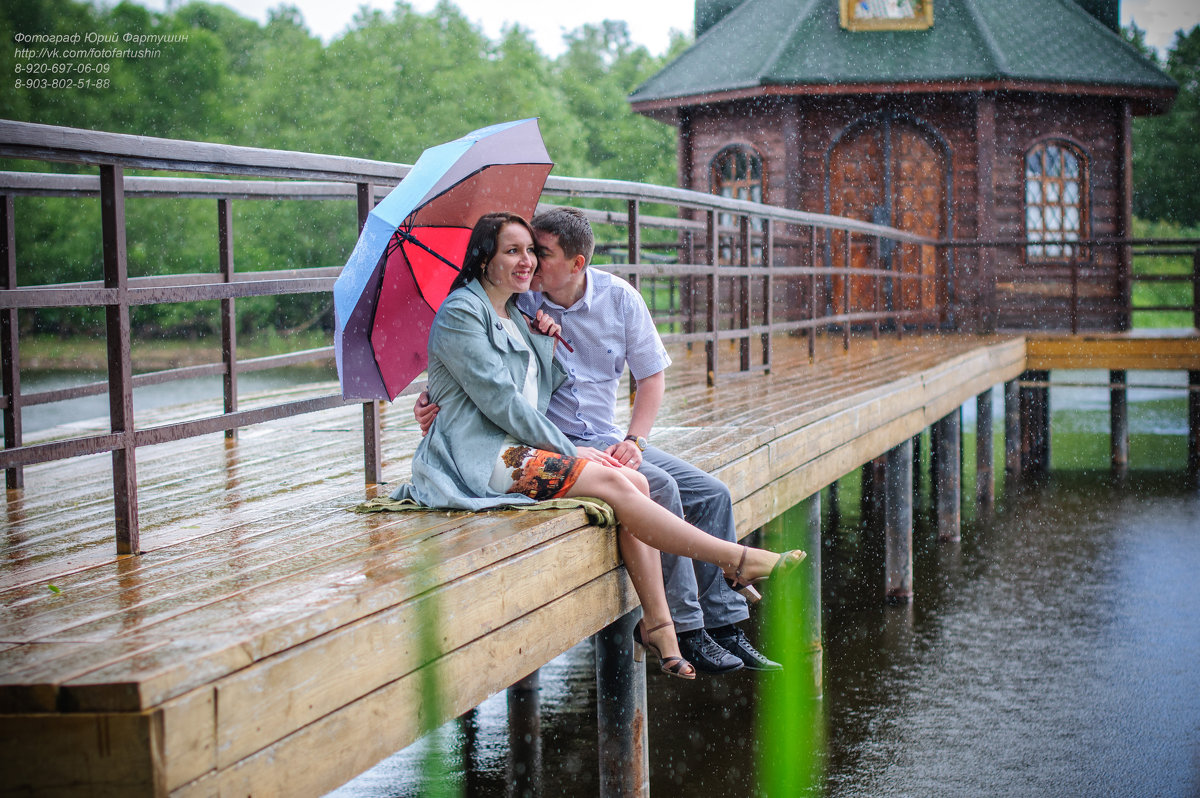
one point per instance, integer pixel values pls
(597, 72)
(1166, 149)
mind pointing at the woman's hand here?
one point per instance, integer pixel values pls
(543, 323)
(596, 456)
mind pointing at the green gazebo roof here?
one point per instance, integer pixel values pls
(799, 43)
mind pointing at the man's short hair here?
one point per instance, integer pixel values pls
(571, 228)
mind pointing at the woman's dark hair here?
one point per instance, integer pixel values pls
(481, 247)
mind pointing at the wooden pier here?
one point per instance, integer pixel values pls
(188, 606)
(265, 627)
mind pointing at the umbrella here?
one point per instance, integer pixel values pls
(407, 254)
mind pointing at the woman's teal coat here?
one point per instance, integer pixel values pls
(474, 374)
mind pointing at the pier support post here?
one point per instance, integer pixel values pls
(835, 508)
(525, 738)
(1012, 430)
(621, 712)
(985, 476)
(1035, 423)
(1193, 461)
(917, 469)
(947, 475)
(871, 515)
(1118, 415)
(898, 525)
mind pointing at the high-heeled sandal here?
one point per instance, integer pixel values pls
(786, 563)
(672, 666)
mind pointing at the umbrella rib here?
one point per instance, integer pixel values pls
(407, 236)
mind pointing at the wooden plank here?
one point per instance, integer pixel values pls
(336, 669)
(288, 612)
(1113, 352)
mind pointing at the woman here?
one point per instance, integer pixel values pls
(492, 444)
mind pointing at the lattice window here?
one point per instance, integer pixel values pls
(1055, 201)
(737, 173)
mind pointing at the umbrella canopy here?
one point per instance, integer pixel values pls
(409, 250)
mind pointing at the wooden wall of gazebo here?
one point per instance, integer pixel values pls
(958, 172)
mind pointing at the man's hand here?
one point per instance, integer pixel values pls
(596, 456)
(626, 453)
(543, 323)
(424, 411)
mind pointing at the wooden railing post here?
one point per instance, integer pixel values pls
(120, 367)
(228, 310)
(372, 427)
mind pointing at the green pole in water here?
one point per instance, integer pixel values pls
(791, 714)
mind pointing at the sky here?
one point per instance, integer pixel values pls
(650, 21)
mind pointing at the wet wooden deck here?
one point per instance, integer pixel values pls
(266, 628)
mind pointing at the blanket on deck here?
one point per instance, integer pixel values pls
(598, 512)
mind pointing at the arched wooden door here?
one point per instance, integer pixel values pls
(889, 172)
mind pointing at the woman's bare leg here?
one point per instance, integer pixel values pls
(663, 530)
(644, 564)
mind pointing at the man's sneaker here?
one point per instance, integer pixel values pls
(737, 645)
(707, 657)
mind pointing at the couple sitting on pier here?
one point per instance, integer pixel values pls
(518, 422)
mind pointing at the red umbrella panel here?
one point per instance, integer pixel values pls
(415, 282)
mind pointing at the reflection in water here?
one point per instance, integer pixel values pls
(1052, 652)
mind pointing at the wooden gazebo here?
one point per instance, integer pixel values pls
(1002, 127)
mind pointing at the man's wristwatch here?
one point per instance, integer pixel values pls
(641, 442)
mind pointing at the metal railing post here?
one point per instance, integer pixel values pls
(1074, 295)
(744, 305)
(228, 311)
(768, 292)
(120, 366)
(9, 343)
(846, 294)
(372, 425)
(812, 296)
(1196, 288)
(714, 320)
(634, 232)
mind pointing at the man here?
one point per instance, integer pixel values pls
(607, 323)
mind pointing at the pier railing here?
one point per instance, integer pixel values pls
(732, 272)
(1102, 283)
